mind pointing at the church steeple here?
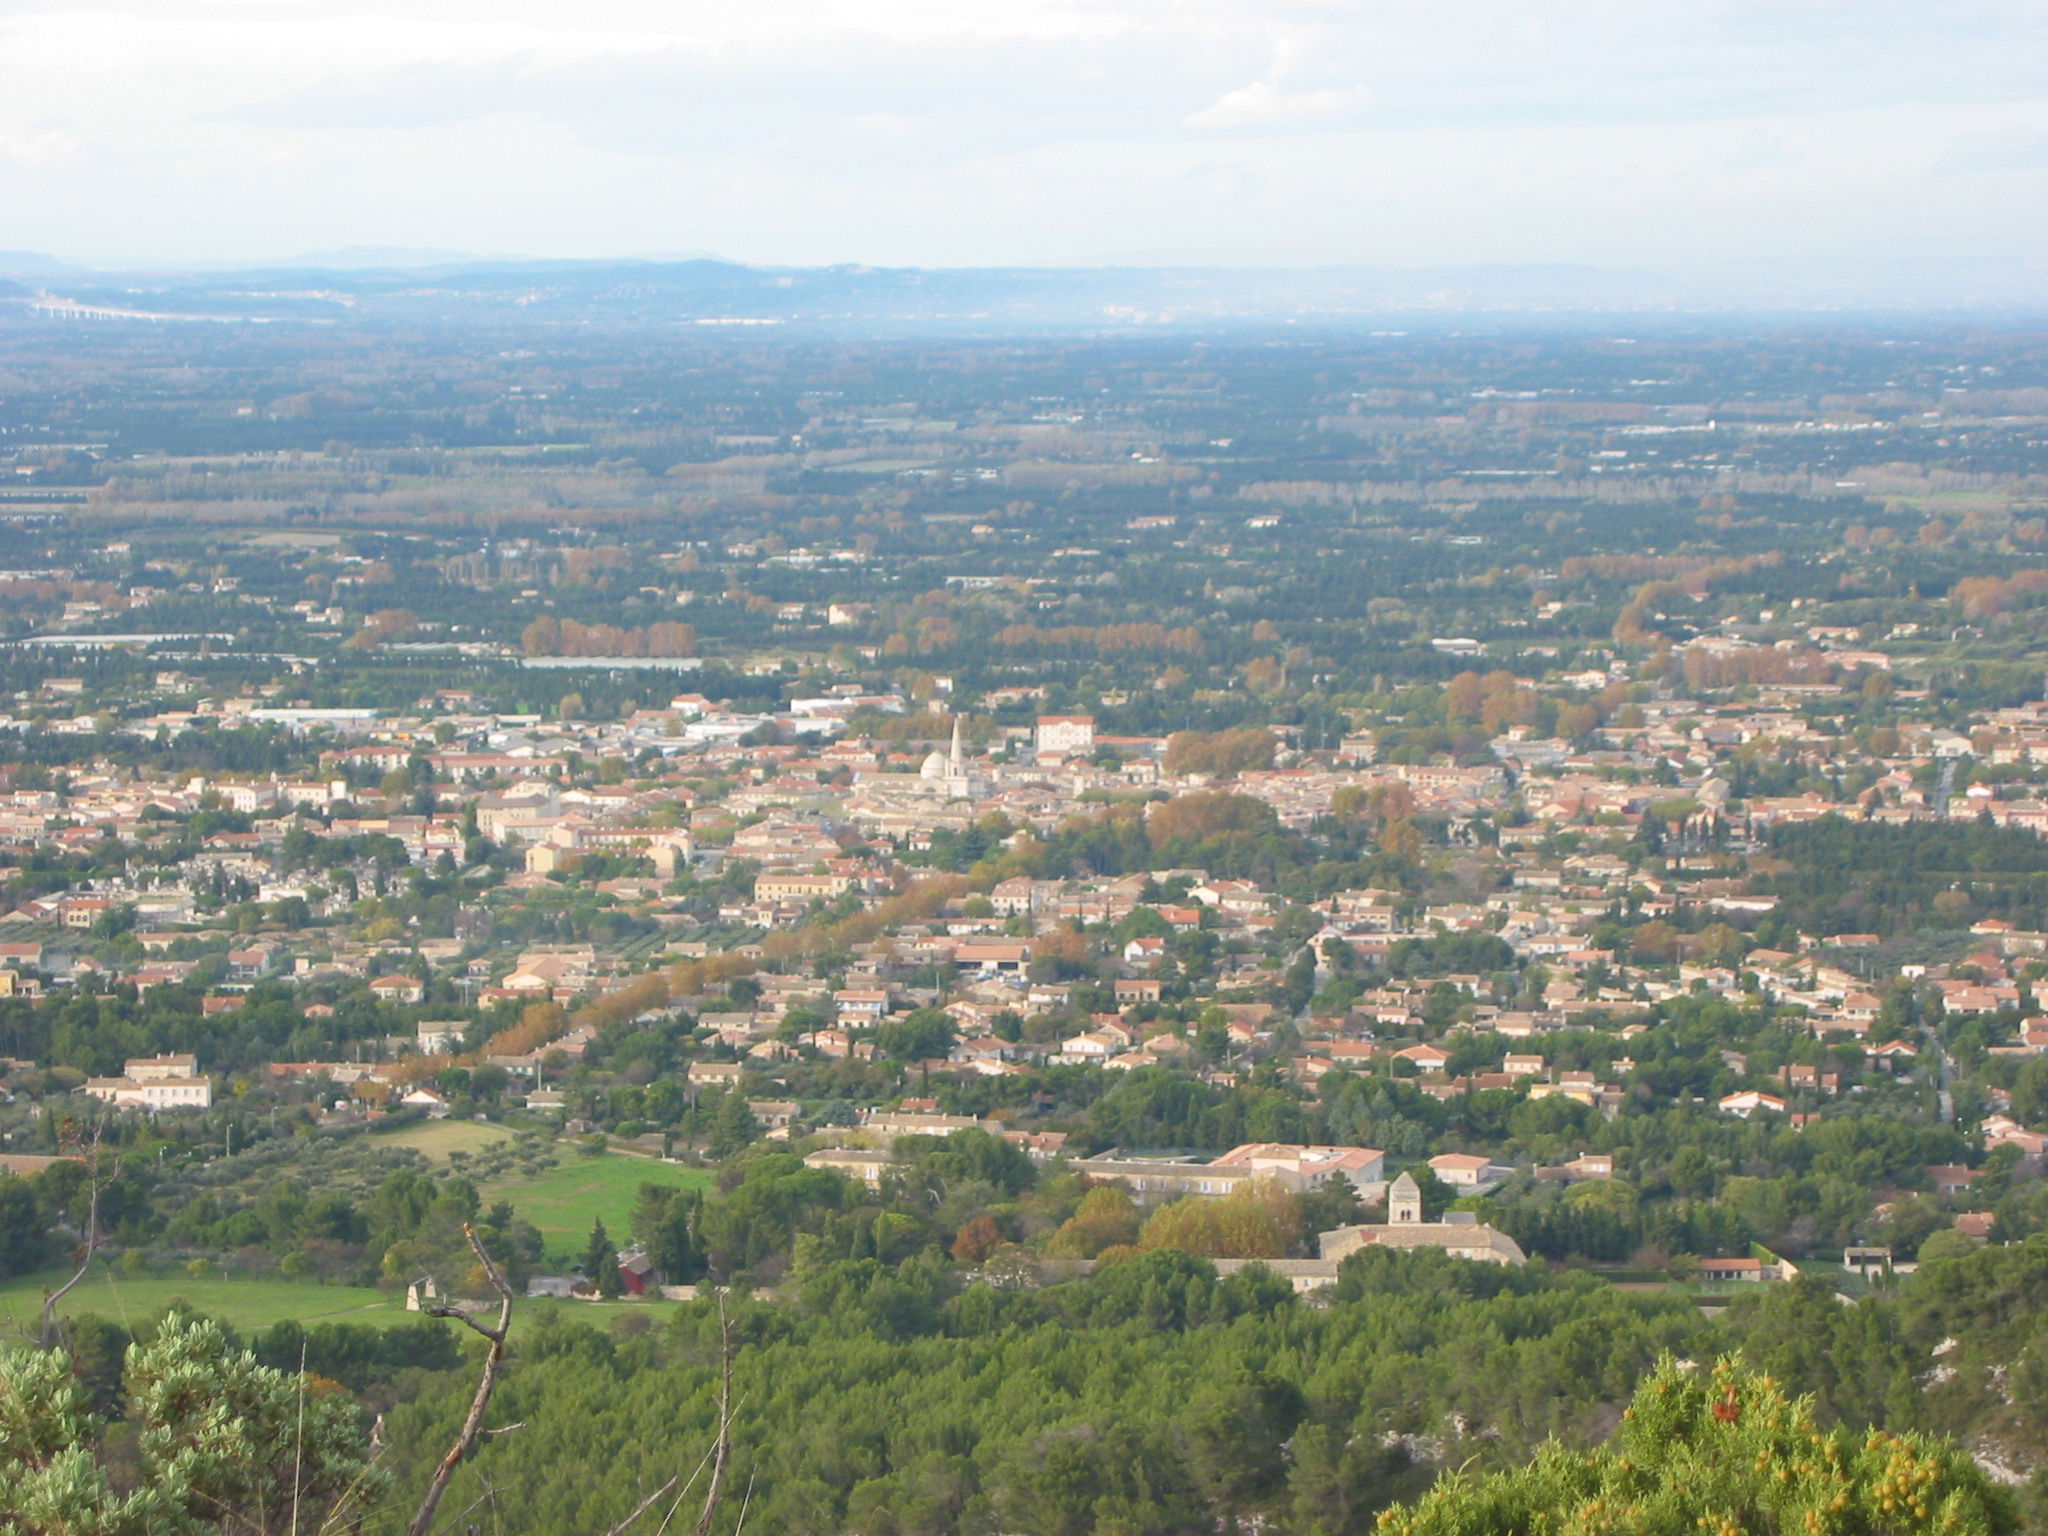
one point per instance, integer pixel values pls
(1404, 1201)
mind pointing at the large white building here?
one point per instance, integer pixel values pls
(1292, 1167)
(154, 1082)
(1065, 736)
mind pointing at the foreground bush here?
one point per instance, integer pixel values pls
(1724, 1455)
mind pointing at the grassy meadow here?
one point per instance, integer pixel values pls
(564, 1200)
(247, 1304)
(561, 1200)
(557, 1186)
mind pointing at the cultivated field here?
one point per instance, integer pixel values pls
(437, 1138)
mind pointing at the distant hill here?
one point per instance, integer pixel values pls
(363, 258)
(16, 263)
(409, 286)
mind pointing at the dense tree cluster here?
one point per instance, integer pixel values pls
(1152, 1396)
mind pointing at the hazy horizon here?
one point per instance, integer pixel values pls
(1046, 133)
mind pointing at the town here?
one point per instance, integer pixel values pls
(890, 829)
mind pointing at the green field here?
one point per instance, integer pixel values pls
(563, 1201)
(437, 1138)
(247, 1304)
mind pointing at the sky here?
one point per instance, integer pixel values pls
(1404, 133)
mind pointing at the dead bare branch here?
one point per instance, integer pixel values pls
(470, 1509)
(723, 1448)
(645, 1505)
(684, 1492)
(487, 1383)
(95, 1181)
(299, 1439)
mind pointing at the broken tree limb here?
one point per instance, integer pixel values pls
(723, 1448)
(494, 1363)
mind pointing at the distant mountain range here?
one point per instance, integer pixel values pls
(377, 284)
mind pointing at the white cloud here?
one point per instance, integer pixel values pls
(39, 147)
(1266, 104)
